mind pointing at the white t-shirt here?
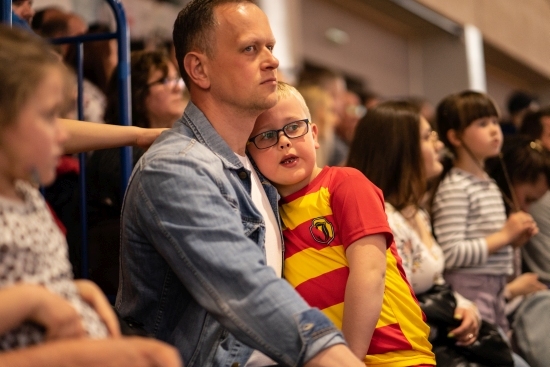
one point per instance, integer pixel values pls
(273, 244)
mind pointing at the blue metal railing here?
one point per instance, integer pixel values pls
(123, 75)
(5, 12)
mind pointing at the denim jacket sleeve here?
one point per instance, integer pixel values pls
(193, 218)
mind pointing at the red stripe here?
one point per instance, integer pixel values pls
(388, 338)
(325, 290)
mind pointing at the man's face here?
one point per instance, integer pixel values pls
(23, 9)
(243, 70)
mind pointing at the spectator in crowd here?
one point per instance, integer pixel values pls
(98, 63)
(408, 149)
(339, 250)
(468, 211)
(51, 306)
(323, 114)
(193, 259)
(519, 104)
(523, 175)
(22, 13)
(157, 102)
(194, 240)
(536, 254)
(352, 112)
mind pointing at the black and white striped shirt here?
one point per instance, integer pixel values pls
(466, 209)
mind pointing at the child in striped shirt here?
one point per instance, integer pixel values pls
(468, 213)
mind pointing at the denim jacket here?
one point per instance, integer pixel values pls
(193, 268)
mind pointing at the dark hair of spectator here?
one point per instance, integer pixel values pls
(94, 59)
(457, 111)
(519, 100)
(532, 124)
(386, 148)
(524, 159)
(143, 63)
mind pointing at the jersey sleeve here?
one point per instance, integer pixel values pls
(358, 208)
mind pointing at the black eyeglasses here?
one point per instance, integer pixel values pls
(169, 82)
(269, 138)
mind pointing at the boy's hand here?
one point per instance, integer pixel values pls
(92, 295)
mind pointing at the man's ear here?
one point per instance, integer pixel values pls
(314, 132)
(195, 64)
(453, 138)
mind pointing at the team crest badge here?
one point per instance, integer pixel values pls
(322, 230)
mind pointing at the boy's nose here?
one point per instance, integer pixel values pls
(284, 141)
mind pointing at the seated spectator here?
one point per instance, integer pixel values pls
(65, 344)
(536, 254)
(157, 102)
(409, 151)
(338, 245)
(523, 176)
(99, 59)
(51, 306)
(323, 112)
(201, 253)
(352, 112)
(22, 13)
(519, 103)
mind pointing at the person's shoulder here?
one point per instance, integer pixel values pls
(352, 176)
(346, 173)
(178, 145)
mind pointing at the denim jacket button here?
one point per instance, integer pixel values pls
(307, 327)
(243, 175)
(236, 364)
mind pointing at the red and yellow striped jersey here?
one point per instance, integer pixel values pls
(320, 221)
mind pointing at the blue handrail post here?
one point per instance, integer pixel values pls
(123, 36)
(5, 12)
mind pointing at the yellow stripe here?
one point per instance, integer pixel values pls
(305, 208)
(402, 358)
(402, 307)
(311, 263)
(334, 313)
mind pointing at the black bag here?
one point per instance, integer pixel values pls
(489, 349)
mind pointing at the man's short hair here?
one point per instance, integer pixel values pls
(193, 30)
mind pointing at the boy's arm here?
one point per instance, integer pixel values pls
(364, 291)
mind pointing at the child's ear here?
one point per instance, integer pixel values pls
(196, 66)
(314, 133)
(453, 138)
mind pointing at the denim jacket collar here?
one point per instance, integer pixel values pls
(205, 133)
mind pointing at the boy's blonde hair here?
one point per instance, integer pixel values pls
(285, 90)
(25, 60)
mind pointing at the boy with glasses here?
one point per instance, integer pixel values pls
(339, 250)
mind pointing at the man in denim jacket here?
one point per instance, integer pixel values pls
(193, 264)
